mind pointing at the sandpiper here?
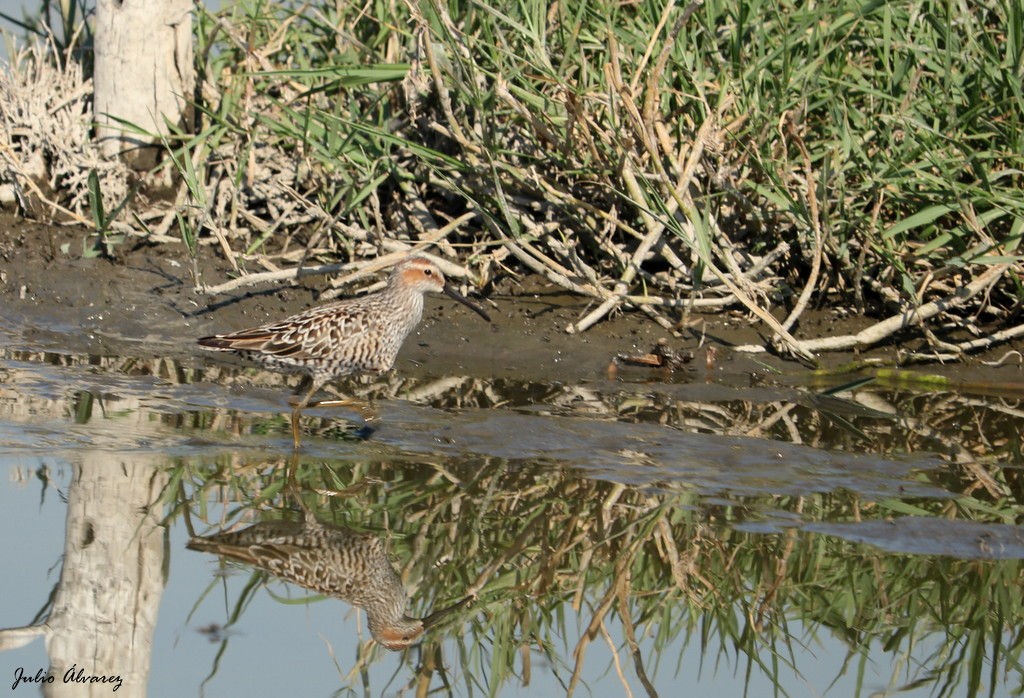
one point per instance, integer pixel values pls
(354, 335)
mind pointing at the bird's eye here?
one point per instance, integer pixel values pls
(428, 272)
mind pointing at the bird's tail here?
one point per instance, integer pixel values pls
(246, 340)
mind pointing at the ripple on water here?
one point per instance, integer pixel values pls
(932, 536)
(653, 455)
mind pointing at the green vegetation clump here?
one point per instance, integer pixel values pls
(657, 156)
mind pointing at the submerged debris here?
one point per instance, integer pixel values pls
(661, 355)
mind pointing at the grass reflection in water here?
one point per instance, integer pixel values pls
(711, 539)
(652, 566)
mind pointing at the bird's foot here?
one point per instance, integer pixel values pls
(365, 409)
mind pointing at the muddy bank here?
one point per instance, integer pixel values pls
(143, 303)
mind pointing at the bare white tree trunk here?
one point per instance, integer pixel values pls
(143, 72)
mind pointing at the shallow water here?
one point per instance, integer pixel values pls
(728, 536)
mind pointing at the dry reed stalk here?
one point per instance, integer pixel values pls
(911, 318)
(815, 219)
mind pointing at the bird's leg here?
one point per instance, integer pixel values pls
(292, 487)
(295, 427)
(298, 405)
(340, 401)
(362, 406)
(366, 411)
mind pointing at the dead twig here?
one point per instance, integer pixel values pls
(911, 318)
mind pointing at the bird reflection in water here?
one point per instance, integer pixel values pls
(335, 561)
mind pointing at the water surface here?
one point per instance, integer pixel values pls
(645, 533)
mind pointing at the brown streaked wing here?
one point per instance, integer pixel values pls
(302, 337)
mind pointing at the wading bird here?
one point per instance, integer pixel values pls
(354, 335)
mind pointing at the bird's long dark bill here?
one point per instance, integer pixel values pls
(466, 302)
(437, 616)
